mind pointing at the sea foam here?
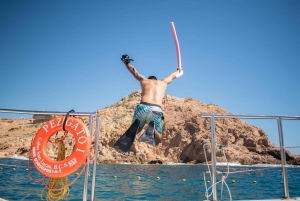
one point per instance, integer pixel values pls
(15, 156)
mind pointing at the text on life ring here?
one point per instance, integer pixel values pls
(52, 168)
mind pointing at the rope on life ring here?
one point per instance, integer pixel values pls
(57, 183)
(56, 169)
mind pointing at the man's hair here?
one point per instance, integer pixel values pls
(152, 77)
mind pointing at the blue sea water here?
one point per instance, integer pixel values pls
(154, 182)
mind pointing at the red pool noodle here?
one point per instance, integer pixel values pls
(176, 45)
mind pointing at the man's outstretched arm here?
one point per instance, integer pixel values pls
(134, 72)
(173, 76)
(126, 60)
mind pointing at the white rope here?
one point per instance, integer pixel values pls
(207, 194)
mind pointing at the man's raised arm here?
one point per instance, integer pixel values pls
(173, 76)
(134, 72)
(125, 59)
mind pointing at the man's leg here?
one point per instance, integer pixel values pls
(158, 128)
(158, 137)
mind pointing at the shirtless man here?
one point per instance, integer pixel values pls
(153, 91)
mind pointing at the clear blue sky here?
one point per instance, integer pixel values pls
(241, 55)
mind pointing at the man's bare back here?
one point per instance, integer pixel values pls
(153, 91)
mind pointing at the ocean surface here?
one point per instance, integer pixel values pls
(155, 182)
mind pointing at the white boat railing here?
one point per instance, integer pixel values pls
(97, 133)
(279, 119)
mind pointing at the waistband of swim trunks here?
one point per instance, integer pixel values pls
(151, 104)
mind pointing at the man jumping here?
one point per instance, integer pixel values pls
(149, 111)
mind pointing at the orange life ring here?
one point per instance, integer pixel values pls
(56, 169)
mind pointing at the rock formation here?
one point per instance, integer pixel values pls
(185, 133)
(186, 136)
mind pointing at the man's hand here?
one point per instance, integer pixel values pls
(125, 59)
(178, 73)
(173, 76)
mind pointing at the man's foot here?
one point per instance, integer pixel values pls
(125, 141)
(149, 135)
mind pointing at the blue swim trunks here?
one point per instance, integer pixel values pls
(147, 112)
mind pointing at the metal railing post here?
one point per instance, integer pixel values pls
(97, 135)
(213, 157)
(283, 159)
(86, 174)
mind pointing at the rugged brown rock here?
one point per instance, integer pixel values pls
(186, 136)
